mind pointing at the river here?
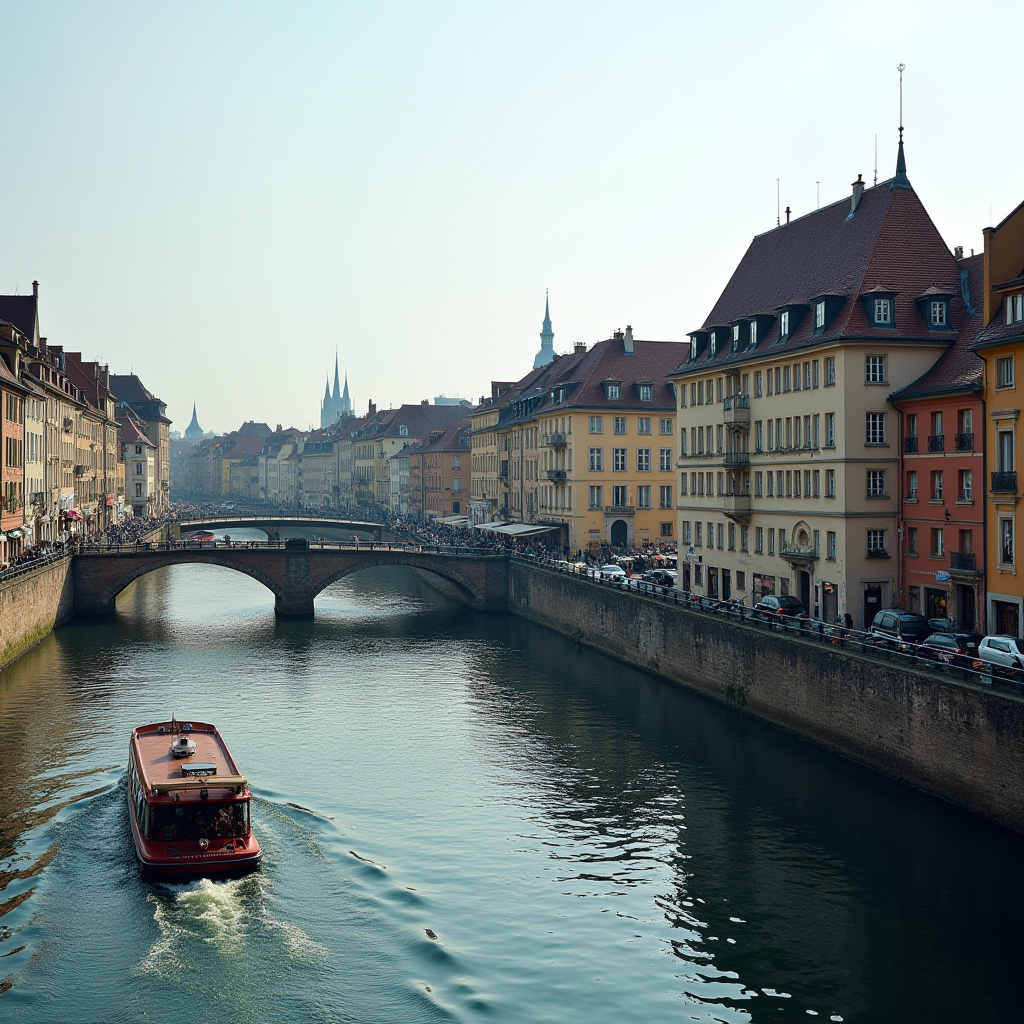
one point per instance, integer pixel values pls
(469, 818)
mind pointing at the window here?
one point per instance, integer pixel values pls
(883, 311)
(1004, 451)
(596, 460)
(732, 536)
(830, 483)
(830, 430)
(759, 539)
(830, 371)
(665, 496)
(912, 485)
(619, 460)
(784, 325)
(138, 449)
(876, 483)
(643, 424)
(698, 535)
(1004, 372)
(595, 496)
(876, 542)
(875, 428)
(645, 392)
(666, 529)
(720, 537)
(830, 546)
(665, 459)
(685, 527)
(807, 376)
(797, 378)
(771, 484)
(595, 424)
(711, 535)
(619, 496)
(714, 342)
(643, 460)
(786, 386)
(403, 431)
(819, 315)
(937, 485)
(966, 485)
(665, 425)
(912, 540)
(874, 371)
(735, 336)
(613, 392)
(741, 577)
(936, 543)
(1006, 542)
(771, 541)
(682, 483)
(815, 365)
(937, 316)
(138, 469)
(693, 349)
(1014, 308)
(817, 483)
(138, 490)
(757, 384)
(643, 496)
(966, 541)
(619, 427)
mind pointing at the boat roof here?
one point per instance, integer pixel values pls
(166, 776)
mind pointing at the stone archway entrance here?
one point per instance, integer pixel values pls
(619, 533)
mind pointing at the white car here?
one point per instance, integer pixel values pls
(612, 572)
(1002, 656)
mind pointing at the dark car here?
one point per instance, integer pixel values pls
(659, 577)
(946, 648)
(779, 609)
(900, 629)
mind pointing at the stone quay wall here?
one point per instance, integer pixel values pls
(961, 741)
(32, 605)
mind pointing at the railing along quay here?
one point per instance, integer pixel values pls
(799, 629)
(33, 565)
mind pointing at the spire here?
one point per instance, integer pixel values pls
(547, 339)
(337, 386)
(346, 402)
(327, 393)
(901, 180)
(194, 432)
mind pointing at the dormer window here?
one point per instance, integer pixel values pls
(753, 334)
(612, 392)
(714, 342)
(735, 337)
(693, 348)
(819, 315)
(645, 392)
(784, 324)
(403, 431)
(883, 311)
(1015, 308)
(938, 314)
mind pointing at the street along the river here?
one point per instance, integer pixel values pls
(467, 817)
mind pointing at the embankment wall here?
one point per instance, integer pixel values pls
(32, 606)
(960, 741)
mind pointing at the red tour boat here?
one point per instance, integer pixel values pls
(188, 803)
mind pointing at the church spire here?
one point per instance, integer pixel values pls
(194, 432)
(901, 180)
(547, 339)
(346, 402)
(337, 386)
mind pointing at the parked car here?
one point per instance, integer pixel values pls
(941, 625)
(897, 628)
(779, 609)
(947, 648)
(1002, 656)
(612, 572)
(659, 577)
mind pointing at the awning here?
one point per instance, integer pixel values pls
(524, 529)
(454, 520)
(489, 527)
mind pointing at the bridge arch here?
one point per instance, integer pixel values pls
(466, 587)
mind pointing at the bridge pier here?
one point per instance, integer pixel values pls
(293, 607)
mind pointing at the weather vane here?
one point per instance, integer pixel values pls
(901, 68)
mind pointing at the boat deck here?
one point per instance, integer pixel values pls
(164, 773)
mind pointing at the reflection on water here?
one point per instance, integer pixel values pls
(468, 817)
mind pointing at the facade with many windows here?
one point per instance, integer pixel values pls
(788, 446)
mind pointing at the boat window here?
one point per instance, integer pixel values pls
(184, 821)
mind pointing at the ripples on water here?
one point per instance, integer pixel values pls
(468, 818)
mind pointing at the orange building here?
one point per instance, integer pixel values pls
(12, 460)
(439, 470)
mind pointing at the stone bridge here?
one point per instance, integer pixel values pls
(295, 573)
(271, 525)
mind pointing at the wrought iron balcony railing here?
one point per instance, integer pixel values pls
(962, 560)
(1004, 483)
(910, 444)
(964, 442)
(937, 443)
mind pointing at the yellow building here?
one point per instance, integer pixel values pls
(999, 346)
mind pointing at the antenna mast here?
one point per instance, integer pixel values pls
(876, 156)
(778, 204)
(817, 205)
(901, 68)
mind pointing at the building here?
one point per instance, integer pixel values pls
(941, 530)
(12, 463)
(486, 457)
(999, 346)
(138, 454)
(194, 432)
(439, 469)
(788, 447)
(153, 413)
(338, 405)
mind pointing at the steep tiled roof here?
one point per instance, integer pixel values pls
(129, 432)
(449, 441)
(889, 244)
(128, 388)
(958, 368)
(999, 332)
(420, 420)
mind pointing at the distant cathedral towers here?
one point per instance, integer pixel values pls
(547, 340)
(337, 405)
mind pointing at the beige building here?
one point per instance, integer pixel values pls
(789, 460)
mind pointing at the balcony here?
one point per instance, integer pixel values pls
(962, 560)
(736, 506)
(556, 474)
(736, 459)
(937, 443)
(736, 411)
(910, 445)
(964, 442)
(877, 553)
(1004, 483)
(556, 440)
(619, 510)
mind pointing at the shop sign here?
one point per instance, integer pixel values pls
(942, 576)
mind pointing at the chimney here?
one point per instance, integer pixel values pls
(958, 252)
(371, 409)
(579, 346)
(858, 191)
(35, 289)
(627, 341)
(425, 402)
(279, 428)
(788, 211)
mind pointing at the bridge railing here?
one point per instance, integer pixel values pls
(135, 547)
(33, 565)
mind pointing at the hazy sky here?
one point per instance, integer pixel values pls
(221, 194)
